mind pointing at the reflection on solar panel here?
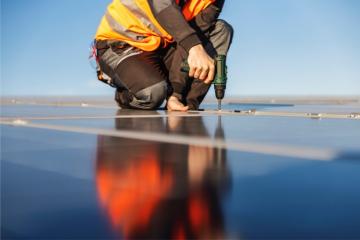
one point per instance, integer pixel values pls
(87, 170)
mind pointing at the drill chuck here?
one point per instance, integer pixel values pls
(219, 92)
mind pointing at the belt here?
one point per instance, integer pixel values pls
(105, 44)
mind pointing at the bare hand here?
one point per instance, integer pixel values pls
(201, 65)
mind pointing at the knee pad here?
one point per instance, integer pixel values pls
(221, 37)
(151, 97)
(123, 98)
(224, 27)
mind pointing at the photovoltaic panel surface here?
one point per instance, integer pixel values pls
(103, 173)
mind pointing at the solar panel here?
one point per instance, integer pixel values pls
(93, 172)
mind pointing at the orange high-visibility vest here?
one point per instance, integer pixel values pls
(133, 22)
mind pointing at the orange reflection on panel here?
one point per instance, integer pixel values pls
(130, 195)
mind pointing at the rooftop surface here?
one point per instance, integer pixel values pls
(261, 168)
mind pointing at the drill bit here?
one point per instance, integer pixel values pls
(219, 104)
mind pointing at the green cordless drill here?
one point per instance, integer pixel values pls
(220, 77)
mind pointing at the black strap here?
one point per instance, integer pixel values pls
(105, 44)
(182, 3)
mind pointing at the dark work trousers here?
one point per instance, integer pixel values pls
(144, 80)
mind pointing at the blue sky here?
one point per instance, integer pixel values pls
(281, 47)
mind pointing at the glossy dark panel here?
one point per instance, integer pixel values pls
(57, 185)
(337, 109)
(19, 111)
(341, 134)
(47, 186)
(245, 106)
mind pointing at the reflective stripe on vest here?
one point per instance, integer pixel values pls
(142, 16)
(132, 21)
(116, 27)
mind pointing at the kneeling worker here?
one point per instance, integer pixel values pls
(141, 45)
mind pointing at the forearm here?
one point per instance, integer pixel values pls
(208, 17)
(170, 17)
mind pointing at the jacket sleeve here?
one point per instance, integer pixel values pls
(208, 17)
(170, 17)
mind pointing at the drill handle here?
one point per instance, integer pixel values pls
(220, 67)
(221, 71)
(220, 78)
(185, 67)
